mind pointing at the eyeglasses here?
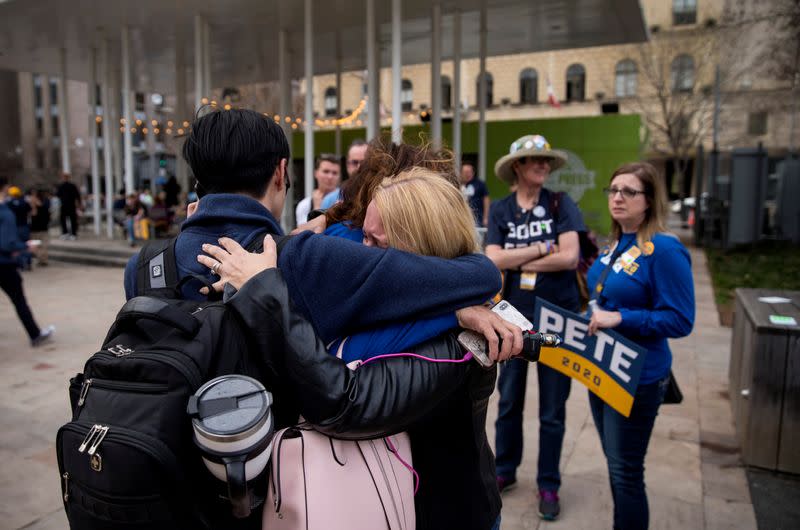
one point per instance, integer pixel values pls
(627, 193)
(354, 163)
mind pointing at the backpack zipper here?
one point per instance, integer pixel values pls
(153, 447)
(123, 386)
(190, 372)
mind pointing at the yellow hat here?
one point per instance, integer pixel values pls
(15, 192)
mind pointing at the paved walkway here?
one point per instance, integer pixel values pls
(694, 477)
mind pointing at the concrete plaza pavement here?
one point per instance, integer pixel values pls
(694, 475)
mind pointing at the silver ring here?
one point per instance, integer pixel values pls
(215, 268)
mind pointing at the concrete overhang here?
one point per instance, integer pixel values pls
(244, 33)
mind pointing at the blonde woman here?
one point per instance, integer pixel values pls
(642, 288)
(441, 400)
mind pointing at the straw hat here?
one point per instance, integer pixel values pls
(529, 145)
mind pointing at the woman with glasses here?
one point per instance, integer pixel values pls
(642, 288)
(536, 244)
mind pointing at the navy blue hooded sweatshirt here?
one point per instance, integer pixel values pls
(340, 286)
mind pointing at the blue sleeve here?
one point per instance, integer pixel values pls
(394, 338)
(672, 291)
(343, 287)
(569, 216)
(495, 234)
(330, 199)
(130, 277)
(9, 240)
(346, 232)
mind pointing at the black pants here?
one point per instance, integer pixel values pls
(72, 215)
(11, 283)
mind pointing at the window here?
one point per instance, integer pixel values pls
(528, 86)
(576, 83)
(625, 78)
(757, 123)
(39, 127)
(447, 92)
(682, 73)
(98, 95)
(54, 123)
(53, 91)
(138, 99)
(406, 95)
(331, 105)
(37, 90)
(364, 89)
(684, 12)
(489, 89)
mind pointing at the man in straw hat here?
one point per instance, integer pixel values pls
(533, 237)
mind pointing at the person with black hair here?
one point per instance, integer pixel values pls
(10, 280)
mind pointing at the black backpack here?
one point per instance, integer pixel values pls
(588, 251)
(127, 459)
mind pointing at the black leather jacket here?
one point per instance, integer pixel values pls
(441, 405)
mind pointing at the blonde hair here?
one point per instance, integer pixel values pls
(425, 214)
(654, 192)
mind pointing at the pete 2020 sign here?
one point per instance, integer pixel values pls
(607, 363)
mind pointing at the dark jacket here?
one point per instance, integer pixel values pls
(441, 405)
(10, 243)
(341, 287)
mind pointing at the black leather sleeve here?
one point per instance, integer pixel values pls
(377, 399)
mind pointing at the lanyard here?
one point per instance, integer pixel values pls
(598, 290)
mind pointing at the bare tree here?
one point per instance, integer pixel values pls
(674, 96)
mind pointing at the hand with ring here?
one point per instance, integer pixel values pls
(234, 265)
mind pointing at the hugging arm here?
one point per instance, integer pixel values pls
(378, 399)
(343, 287)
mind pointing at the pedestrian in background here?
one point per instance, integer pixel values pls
(10, 280)
(538, 249)
(642, 288)
(71, 203)
(476, 193)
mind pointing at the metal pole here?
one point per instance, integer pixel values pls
(285, 110)
(93, 138)
(63, 114)
(373, 71)
(207, 90)
(397, 72)
(180, 114)
(436, 75)
(482, 96)
(116, 145)
(457, 91)
(150, 142)
(338, 132)
(126, 109)
(198, 62)
(108, 139)
(309, 74)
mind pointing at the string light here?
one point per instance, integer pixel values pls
(156, 130)
(287, 119)
(133, 129)
(169, 131)
(122, 129)
(169, 123)
(144, 130)
(227, 106)
(185, 123)
(294, 126)
(98, 119)
(204, 101)
(154, 123)
(138, 123)
(122, 121)
(276, 117)
(180, 131)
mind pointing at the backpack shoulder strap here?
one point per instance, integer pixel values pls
(555, 204)
(157, 270)
(257, 244)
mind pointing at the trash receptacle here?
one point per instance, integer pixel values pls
(764, 377)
